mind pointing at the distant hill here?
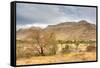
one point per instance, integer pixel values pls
(81, 30)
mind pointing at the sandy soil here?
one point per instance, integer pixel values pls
(72, 57)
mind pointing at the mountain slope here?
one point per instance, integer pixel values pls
(81, 30)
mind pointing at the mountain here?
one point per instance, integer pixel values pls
(81, 30)
(27, 33)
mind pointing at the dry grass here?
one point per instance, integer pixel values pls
(71, 57)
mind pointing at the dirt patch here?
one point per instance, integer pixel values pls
(72, 57)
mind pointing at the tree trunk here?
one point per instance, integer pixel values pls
(42, 52)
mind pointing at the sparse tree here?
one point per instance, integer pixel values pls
(77, 44)
(43, 41)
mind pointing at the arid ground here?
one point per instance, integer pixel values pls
(63, 42)
(72, 57)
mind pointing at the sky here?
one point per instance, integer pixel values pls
(40, 15)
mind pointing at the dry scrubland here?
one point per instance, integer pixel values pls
(64, 42)
(72, 57)
(30, 55)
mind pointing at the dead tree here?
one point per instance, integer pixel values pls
(43, 40)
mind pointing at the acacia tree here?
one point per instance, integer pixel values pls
(43, 41)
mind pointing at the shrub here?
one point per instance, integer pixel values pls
(90, 48)
(66, 49)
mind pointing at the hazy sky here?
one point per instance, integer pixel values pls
(43, 15)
